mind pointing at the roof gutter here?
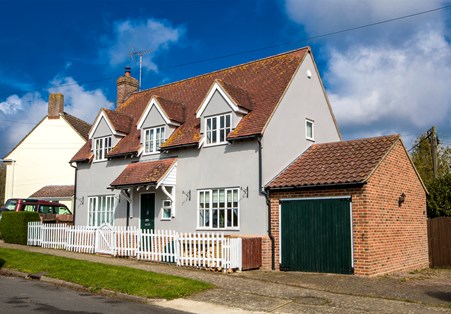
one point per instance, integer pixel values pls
(297, 187)
(178, 146)
(122, 154)
(247, 137)
(127, 186)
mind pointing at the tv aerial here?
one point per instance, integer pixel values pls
(140, 53)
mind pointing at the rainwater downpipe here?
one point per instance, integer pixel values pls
(75, 191)
(262, 191)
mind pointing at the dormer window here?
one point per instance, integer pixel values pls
(102, 146)
(217, 128)
(153, 138)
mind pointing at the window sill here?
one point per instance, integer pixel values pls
(99, 160)
(310, 139)
(165, 219)
(150, 154)
(218, 229)
(216, 144)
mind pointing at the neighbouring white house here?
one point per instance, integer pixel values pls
(38, 165)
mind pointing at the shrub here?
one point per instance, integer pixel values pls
(14, 226)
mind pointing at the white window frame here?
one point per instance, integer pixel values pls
(101, 210)
(166, 206)
(312, 123)
(151, 142)
(105, 144)
(213, 135)
(209, 207)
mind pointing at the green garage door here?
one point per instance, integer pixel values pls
(316, 235)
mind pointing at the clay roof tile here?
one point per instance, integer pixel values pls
(335, 163)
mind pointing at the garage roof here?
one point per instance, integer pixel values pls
(54, 191)
(337, 163)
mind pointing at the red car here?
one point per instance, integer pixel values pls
(49, 211)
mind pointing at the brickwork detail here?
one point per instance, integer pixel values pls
(126, 85)
(386, 237)
(56, 106)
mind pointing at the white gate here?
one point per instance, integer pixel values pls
(105, 240)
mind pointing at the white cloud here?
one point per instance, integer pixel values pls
(383, 87)
(393, 78)
(325, 16)
(19, 114)
(78, 101)
(151, 34)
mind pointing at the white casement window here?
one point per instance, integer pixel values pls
(153, 138)
(309, 130)
(218, 209)
(100, 210)
(102, 146)
(217, 128)
(167, 206)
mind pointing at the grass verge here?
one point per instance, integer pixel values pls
(96, 276)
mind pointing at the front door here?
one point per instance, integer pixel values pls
(148, 211)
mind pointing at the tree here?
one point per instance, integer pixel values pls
(422, 158)
(439, 198)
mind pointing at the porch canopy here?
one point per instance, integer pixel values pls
(146, 174)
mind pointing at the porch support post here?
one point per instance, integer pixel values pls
(171, 197)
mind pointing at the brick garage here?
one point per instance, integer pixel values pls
(387, 235)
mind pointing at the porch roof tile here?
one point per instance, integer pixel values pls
(143, 173)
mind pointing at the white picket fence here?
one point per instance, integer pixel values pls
(202, 250)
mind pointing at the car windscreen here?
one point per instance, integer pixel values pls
(54, 209)
(63, 210)
(10, 205)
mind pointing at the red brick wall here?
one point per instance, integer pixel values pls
(386, 237)
(397, 238)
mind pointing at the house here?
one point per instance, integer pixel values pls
(38, 165)
(194, 155)
(353, 206)
(212, 153)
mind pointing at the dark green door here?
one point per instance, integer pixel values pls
(147, 211)
(316, 235)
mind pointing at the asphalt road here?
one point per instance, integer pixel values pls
(18, 295)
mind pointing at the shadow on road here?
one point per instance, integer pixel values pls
(441, 295)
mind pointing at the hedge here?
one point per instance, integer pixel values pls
(14, 226)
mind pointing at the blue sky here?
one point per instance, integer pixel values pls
(389, 78)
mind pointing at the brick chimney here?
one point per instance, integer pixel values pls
(56, 105)
(126, 85)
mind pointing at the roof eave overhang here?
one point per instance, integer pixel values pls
(131, 185)
(122, 154)
(80, 160)
(179, 146)
(245, 137)
(328, 185)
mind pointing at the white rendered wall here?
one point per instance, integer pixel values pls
(43, 159)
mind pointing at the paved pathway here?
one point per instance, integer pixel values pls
(292, 292)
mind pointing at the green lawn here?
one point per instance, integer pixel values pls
(96, 276)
